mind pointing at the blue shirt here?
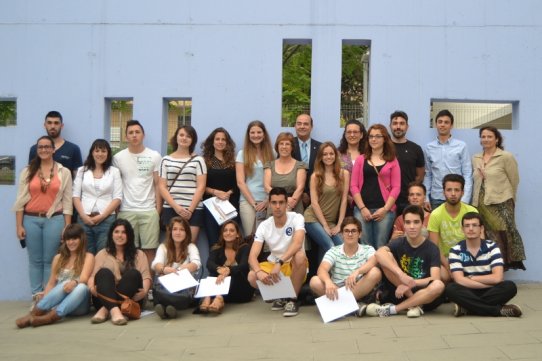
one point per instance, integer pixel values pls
(445, 158)
(488, 257)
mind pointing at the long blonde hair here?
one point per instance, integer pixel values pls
(250, 150)
(320, 169)
(72, 231)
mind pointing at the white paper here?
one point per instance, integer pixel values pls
(343, 305)
(208, 287)
(221, 210)
(178, 281)
(281, 289)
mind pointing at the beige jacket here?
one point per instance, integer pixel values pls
(501, 177)
(63, 199)
(106, 260)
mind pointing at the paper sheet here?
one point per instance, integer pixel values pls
(178, 281)
(208, 287)
(281, 289)
(332, 310)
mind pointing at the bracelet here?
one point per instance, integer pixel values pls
(362, 208)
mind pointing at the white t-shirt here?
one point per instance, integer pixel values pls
(137, 171)
(279, 239)
(192, 257)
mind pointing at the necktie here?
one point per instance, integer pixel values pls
(304, 153)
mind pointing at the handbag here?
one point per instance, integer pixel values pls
(128, 307)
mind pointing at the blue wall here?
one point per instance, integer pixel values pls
(70, 55)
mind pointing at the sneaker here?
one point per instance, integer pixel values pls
(290, 309)
(414, 312)
(362, 310)
(384, 310)
(150, 297)
(459, 311)
(171, 312)
(160, 311)
(371, 309)
(511, 310)
(278, 305)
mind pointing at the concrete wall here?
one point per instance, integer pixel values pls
(70, 55)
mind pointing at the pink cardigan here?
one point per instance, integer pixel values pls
(390, 173)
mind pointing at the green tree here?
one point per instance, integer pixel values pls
(296, 81)
(8, 113)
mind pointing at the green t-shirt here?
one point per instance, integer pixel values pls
(448, 228)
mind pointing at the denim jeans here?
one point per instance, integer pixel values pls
(42, 241)
(97, 235)
(317, 233)
(76, 303)
(375, 233)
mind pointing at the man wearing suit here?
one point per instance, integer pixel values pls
(305, 150)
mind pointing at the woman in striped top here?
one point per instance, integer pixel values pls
(183, 176)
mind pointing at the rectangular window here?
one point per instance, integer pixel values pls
(296, 79)
(177, 112)
(8, 112)
(477, 114)
(355, 80)
(7, 170)
(118, 112)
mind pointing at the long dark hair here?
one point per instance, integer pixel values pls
(90, 164)
(388, 152)
(238, 241)
(35, 163)
(130, 250)
(170, 243)
(191, 133)
(496, 133)
(208, 148)
(343, 145)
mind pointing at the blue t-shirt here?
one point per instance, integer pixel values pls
(69, 155)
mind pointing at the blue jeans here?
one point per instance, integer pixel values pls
(97, 235)
(375, 233)
(42, 241)
(76, 303)
(317, 233)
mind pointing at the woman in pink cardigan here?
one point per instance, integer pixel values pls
(375, 185)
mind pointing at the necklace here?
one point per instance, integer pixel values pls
(45, 182)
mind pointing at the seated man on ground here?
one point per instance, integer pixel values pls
(284, 234)
(445, 221)
(416, 197)
(477, 270)
(411, 267)
(350, 264)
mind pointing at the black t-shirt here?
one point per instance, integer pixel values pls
(415, 262)
(69, 155)
(370, 191)
(410, 156)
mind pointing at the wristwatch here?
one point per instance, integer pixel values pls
(281, 262)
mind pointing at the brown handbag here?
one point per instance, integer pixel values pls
(128, 307)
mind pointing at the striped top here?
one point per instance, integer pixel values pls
(342, 266)
(185, 186)
(489, 256)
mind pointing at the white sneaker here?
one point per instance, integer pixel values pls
(414, 312)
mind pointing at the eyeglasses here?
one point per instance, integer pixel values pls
(376, 136)
(350, 231)
(45, 147)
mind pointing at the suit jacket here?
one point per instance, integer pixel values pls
(315, 145)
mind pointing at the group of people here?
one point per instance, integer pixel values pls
(300, 197)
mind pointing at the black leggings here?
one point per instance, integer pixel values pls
(128, 285)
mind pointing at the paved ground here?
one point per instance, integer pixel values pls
(253, 332)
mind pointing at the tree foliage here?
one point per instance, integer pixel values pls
(8, 113)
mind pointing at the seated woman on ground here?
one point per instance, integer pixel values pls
(66, 293)
(175, 254)
(229, 257)
(120, 271)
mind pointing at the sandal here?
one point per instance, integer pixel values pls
(217, 306)
(204, 305)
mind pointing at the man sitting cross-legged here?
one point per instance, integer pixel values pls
(284, 233)
(411, 267)
(477, 270)
(350, 264)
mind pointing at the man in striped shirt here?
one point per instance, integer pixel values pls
(477, 270)
(351, 264)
